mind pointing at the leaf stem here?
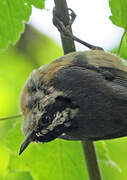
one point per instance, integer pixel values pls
(68, 46)
(118, 52)
(11, 117)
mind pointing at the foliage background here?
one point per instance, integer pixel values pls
(58, 159)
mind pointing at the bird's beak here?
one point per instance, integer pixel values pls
(28, 139)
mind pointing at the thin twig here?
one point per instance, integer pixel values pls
(68, 46)
(11, 117)
(65, 30)
(121, 41)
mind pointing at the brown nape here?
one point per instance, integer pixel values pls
(23, 96)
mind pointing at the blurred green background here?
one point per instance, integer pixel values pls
(57, 160)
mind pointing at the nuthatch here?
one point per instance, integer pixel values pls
(80, 96)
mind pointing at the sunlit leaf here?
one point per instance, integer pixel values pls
(55, 160)
(119, 12)
(4, 160)
(37, 3)
(19, 176)
(104, 156)
(13, 14)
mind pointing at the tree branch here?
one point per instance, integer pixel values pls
(11, 117)
(68, 46)
(91, 160)
(62, 13)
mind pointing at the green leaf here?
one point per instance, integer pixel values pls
(37, 3)
(103, 154)
(126, 38)
(119, 12)
(55, 160)
(19, 176)
(4, 160)
(13, 14)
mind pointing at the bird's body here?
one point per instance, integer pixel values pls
(80, 96)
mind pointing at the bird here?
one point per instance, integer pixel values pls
(79, 96)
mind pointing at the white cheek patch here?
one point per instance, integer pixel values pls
(63, 117)
(59, 119)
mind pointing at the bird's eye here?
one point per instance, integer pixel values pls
(44, 121)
